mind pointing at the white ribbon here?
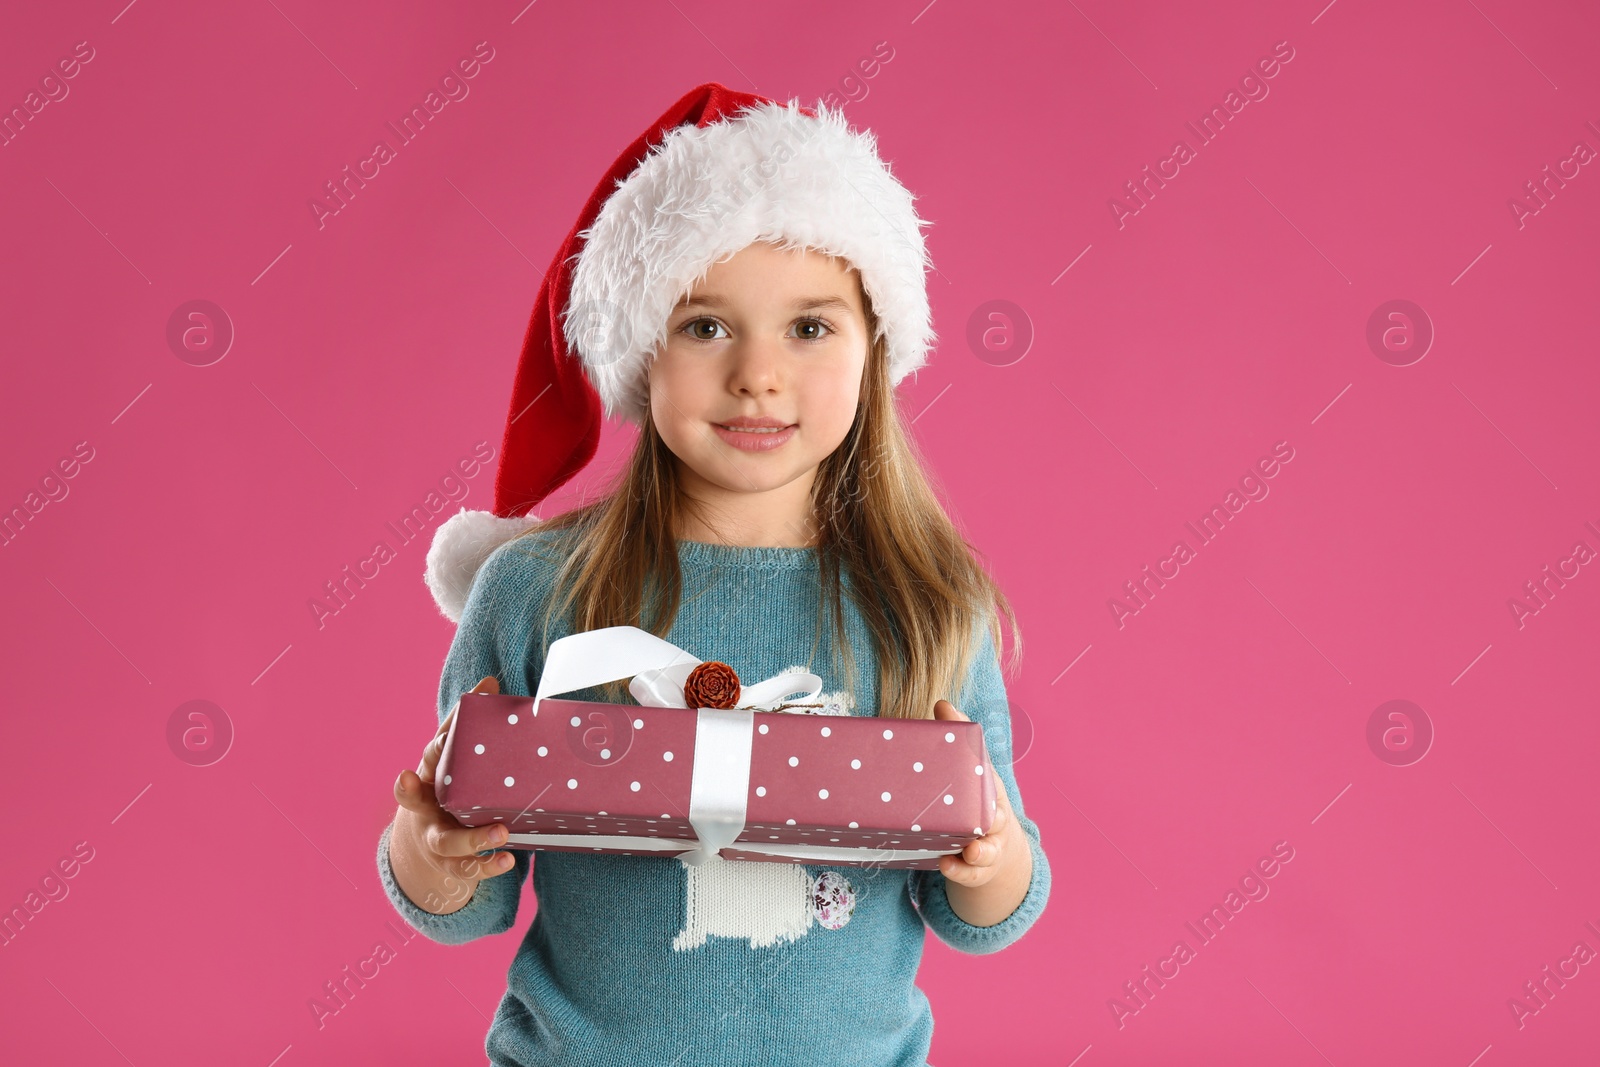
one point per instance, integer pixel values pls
(719, 792)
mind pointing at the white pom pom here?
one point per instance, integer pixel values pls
(460, 545)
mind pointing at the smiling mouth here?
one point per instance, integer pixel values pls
(756, 438)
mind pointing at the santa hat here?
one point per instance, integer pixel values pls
(719, 171)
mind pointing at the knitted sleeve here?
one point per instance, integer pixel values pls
(492, 638)
(983, 699)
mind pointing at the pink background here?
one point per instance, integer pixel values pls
(1168, 754)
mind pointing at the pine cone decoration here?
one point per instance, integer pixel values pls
(711, 685)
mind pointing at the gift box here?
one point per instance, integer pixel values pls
(768, 778)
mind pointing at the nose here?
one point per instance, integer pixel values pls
(757, 366)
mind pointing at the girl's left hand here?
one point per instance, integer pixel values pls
(1004, 844)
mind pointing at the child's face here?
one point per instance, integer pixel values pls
(755, 339)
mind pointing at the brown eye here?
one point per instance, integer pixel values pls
(814, 325)
(697, 327)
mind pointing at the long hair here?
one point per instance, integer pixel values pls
(914, 578)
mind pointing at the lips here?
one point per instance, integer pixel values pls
(753, 422)
(755, 435)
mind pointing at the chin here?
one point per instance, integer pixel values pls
(758, 481)
(751, 475)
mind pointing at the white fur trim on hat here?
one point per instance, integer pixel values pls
(460, 545)
(769, 173)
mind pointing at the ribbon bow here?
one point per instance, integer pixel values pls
(663, 688)
(658, 668)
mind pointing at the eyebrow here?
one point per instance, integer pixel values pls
(809, 303)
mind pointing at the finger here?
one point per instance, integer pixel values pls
(962, 873)
(449, 720)
(430, 759)
(487, 684)
(981, 853)
(470, 870)
(445, 839)
(943, 709)
(435, 747)
(415, 794)
(497, 864)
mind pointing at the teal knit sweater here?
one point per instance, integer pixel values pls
(623, 964)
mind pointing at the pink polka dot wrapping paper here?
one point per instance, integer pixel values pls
(618, 778)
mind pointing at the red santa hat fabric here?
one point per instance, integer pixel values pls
(719, 170)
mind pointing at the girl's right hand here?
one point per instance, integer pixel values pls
(433, 856)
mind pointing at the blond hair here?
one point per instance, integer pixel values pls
(878, 520)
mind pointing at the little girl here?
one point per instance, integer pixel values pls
(747, 285)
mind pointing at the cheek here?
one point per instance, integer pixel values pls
(672, 392)
(833, 402)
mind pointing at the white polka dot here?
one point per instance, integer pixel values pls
(761, 790)
(633, 786)
(916, 828)
(917, 767)
(638, 724)
(948, 799)
(447, 779)
(512, 718)
(978, 769)
(854, 825)
(794, 761)
(790, 823)
(823, 793)
(667, 756)
(478, 749)
(510, 780)
(855, 765)
(949, 737)
(833, 839)
(826, 732)
(886, 797)
(605, 753)
(763, 727)
(543, 751)
(887, 734)
(664, 815)
(577, 721)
